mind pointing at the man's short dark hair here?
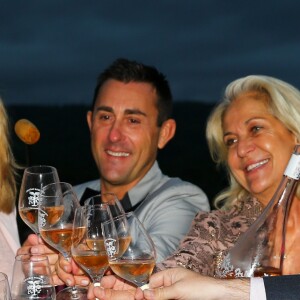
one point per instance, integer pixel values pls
(127, 71)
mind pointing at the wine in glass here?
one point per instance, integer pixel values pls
(32, 278)
(111, 199)
(135, 257)
(57, 206)
(88, 249)
(33, 181)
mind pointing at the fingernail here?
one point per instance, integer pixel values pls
(149, 294)
(85, 282)
(69, 282)
(66, 268)
(34, 250)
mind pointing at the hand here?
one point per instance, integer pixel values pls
(182, 284)
(70, 273)
(36, 246)
(112, 287)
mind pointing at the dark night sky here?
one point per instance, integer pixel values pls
(51, 51)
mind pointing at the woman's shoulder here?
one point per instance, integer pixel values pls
(245, 211)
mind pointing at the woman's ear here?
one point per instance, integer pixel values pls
(167, 132)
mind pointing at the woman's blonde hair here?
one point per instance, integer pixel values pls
(284, 104)
(8, 166)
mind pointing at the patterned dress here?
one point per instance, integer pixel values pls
(211, 236)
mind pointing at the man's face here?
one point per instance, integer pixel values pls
(124, 132)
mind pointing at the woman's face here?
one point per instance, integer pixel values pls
(259, 145)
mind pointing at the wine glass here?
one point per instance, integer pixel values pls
(111, 199)
(4, 287)
(57, 206)
(135, 257)
(33, 181)
(32, 278)
(88, 249)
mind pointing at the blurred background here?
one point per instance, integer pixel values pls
(51, 52)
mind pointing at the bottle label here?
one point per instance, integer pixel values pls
(293, 168)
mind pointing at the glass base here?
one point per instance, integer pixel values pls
(72, 293)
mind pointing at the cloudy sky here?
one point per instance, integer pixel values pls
(51, 51)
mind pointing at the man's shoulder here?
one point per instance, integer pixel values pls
(184, 192)
(180, 186)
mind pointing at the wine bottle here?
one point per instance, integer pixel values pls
(260, 251)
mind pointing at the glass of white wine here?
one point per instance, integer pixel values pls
(88, 248)
(33, 181)
(111, 199)
(57, 206)
(135, 257)
(32, 278)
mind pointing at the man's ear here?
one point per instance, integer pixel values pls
(167, 132)
(89, 117)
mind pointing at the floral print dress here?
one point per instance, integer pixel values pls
(211, 235)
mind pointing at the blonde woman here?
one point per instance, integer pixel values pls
(9, 237)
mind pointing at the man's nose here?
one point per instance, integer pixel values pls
(115, 133)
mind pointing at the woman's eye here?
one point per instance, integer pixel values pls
(255, 129)
(230, 142)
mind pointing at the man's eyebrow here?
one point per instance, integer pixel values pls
(128, 111)
(104, 108)
(134, 111)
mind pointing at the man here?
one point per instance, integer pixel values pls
(129, 121)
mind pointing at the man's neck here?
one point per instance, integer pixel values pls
(119, 191)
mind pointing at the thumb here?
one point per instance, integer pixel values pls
(163, 293)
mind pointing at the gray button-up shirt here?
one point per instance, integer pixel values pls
(167, 207)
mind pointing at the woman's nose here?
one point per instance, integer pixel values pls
(245, 146)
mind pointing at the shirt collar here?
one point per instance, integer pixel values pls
(148, 183)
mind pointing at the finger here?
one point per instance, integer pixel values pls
(31, 240)
(66, 277)
(82, 280)
(139, 295)
(95, 292)
(53, 258)
(64, 264)
(163, 278)
(102, 293)
(108, 281)
(24, 250)
(57, 280)
(161, 294)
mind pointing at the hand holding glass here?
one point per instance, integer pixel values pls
(87, 244)
(135, 257)
(33, 181)
(58, 203)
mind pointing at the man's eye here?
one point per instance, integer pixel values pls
(104, 117)
(134, 121)
(230, 142)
